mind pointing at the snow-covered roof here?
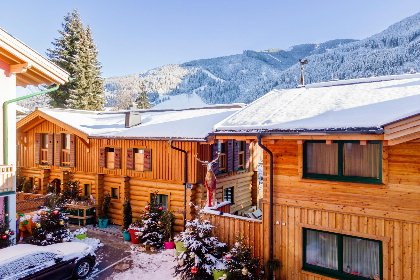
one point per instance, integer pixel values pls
(187, 124)
(353, 105)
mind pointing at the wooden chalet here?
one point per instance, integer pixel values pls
(128, 155)
(345, 184)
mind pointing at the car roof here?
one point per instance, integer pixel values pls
(18, 251)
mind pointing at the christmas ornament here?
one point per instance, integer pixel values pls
(48, 236)
(244, 271)
(194, 269)
(7, 231)
(201, 235)
(147, 207)
(228, 257)
(12, 233)
(55, 212)
(181, 262)
(61, 223)
(38, 225)
(4, 236)
(80, 191)
(160, 208)
(155, 194)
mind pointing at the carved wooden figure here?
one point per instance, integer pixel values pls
(210, 180)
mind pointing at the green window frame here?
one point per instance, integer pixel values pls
(339, 273)
(340, 166)
(228, 195)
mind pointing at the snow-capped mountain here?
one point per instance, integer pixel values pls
(247, 76)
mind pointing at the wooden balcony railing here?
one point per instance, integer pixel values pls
(6, 178)
(44, 156)
(65, 157)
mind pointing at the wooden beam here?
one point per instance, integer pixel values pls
(329, 142)
(19, 68)
(363, 142)
(328, 137)
(403, 139)
(300, 142)
(19, 139)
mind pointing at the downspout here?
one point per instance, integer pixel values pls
(271, 240)
(185, 179)
(5, 124)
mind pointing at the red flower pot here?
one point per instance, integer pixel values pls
(134, 239)
(169, 245)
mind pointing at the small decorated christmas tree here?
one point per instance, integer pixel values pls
(202, 252)
(151, 232)
(50, 227)
(240, 264)
(5, 235)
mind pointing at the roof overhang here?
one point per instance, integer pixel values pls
(29, 66)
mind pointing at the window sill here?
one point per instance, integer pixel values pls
(326, 275)
(368, 184)
(316, 274)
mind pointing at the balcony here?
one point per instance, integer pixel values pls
(6, 178)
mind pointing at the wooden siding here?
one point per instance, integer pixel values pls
(228, 228)
(400, 240)
(389, 212)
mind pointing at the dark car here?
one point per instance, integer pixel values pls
(70, 260)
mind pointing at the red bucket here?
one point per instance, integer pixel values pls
(169, 245)
(134, 239)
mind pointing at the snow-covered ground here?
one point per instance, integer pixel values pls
(148, 266)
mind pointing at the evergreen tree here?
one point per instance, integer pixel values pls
(76, 52)
(152, 231)
(50, 227)
(241, 265)
(5, 235)
(202, 252)
(143, 100)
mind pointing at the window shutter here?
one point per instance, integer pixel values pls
(247, 155)
(235, 155)
(50, 149)
(102, 156)
(72, 150)
(215, 166)
(147, 160)
(37, 148)
(130, 159)
(57, 147)
(229, 163)
(117, 158)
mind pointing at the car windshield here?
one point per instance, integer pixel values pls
(26, 265)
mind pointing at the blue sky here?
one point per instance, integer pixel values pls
(134, 36)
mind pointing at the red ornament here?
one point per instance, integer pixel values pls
(194, 269)
(4, 236)
(12, 233)
(80, 191)
(228, 257)
(55, 212)
(160, 208)
(155, 194)
(147, 207)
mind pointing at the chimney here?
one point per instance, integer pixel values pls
(132, 118)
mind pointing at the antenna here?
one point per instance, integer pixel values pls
(302, 78)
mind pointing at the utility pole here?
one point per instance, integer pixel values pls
(302, 78)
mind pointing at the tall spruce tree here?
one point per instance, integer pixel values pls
(76, 52)
(143, 100)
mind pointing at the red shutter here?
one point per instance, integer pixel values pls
(235, 155)
(102, 156)
(215, 165)
(247, 155)
(72, 150)
(37, 148)
(50, 149)
(229, 155)
(130, 159)
(57, 147)
(117, 158)
(147, 160)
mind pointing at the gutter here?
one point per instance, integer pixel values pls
(5, 120)
(271, 219)
(185, 179)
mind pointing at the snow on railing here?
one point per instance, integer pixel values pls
(6, 178)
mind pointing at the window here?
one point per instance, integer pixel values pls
(162, 199)
(343, 256)
(228, 195)
(241, 154)
(141, 156)
(65, 149)
(221, 149)
(44, 148)
(114, 193)
(86, 190)
(343, 161)
(110, 157)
